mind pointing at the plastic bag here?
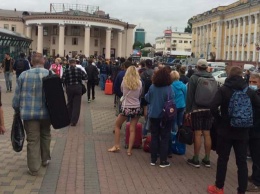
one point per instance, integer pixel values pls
(17, 133)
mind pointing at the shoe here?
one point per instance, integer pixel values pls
(193, 163)
(88, 100)
(32, 173)
(153, 162)
(114, 149)
(206, 163)
(164, 164)
(73, 124)
(251, 187)
(212, 189)
(93, 98)
(45, 163)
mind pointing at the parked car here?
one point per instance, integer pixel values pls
(220, 77)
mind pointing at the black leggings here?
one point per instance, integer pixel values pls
(91, 85)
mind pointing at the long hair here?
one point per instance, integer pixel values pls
(131, 79)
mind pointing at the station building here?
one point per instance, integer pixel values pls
(228, 33)
(71, 29)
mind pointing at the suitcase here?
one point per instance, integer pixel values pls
(55, 101)
(109, 87)
(138, 135)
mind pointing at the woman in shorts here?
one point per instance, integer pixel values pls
(132, 89)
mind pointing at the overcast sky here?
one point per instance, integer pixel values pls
(153, 15)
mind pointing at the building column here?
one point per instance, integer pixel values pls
(29, 31)
(229, 38)
(225, 40)
(108, 43)
(255, 37)
(87, 41)
(61, 40)
(40, 39)
(249, 37)
(197, 43)
(211, 37)
(219, 38)
(238, 38)
(119, 42)
(243, 39)
(233, 39)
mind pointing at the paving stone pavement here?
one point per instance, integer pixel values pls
(81, 164)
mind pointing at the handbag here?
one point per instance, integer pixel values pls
(185, 134)
(17, 133)
(84, 90)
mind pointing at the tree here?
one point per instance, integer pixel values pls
(138, 45)
(189, 27)
(148, 44)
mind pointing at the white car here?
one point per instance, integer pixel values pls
(220, 77)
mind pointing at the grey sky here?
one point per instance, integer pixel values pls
(153, 15)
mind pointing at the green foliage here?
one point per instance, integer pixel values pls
(189, 27)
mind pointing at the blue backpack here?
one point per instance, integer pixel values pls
(240, 109)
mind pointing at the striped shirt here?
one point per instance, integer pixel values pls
(29, 98)
(73, 76)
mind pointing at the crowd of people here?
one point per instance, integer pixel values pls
(143, 90)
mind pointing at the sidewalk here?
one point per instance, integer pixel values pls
(81, 164)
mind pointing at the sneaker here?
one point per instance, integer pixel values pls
(45, 163)
(164, 164)
(206, 163)
(88, 100)
(251, 187)
(153, 162)
(212, 189)
(194, 163)
(32, 173)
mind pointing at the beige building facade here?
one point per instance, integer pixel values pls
(178, 41)
(228, 33)
(72, 32)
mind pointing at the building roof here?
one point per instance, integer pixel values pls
(8, 33)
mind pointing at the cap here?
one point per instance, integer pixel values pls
(202, 63)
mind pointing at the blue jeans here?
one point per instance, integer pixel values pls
(103, 78)
(8, 80)
(160, 138)
(178, 120)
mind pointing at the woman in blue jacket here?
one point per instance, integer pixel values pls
(180, 92)
(156, 97)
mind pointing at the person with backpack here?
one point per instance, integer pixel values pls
(232, 108)
(254, 139)
(103, 74)
(160, 99)
(21, 65)
(146, 78)
(201, 90)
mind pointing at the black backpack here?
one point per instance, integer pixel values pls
(147, 81)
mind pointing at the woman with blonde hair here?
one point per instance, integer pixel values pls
(132, 89)
(57, 67)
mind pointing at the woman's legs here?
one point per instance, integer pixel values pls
(119, 121)
(133, 124)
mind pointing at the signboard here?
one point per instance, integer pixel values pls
(168, 33)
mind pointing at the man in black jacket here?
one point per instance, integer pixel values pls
(254, 139)
(228, 136)
(92, 73)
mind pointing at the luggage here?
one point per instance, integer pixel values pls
(177, 147)
(185, 134)
(109, 87)
(138, 135)
(17, 133)
(147, 144)
(55, 101)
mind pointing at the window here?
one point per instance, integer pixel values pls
(251, 56)
(96, 33)
(74, 41)
(227, 40)
(55, 30)
(246, 38)
(75, 30)
(239, 56)
(235, 39)
(185, 41)
(174, 41)
(241, 39)
(64, 40)
(245, 56)
(53, 40)
(66, 31)
(226, 55)
(231, 40)
(13, 28)
(190, 42)
(36, 30)
(45, 31)
(6, 26)
(252, 38)
(235, 55)
(247, 21)
(252, 19)
(214, 41)
(96, 42)
(180, 41)
(228, 25)
(230, 56)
